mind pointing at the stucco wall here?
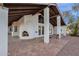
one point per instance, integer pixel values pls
(17, 23)
(55, 30)
(63, 30)
(15, 33)
(30, 25)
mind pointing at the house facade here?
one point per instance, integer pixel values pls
(32, 23)
(32, 26)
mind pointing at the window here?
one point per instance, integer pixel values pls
(41, 30)
(41, 19)
(15, 29)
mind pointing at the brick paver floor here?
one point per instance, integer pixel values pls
(36, 47)
(71, 48)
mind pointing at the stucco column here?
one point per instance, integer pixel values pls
(20, 32)
(59, 26)
(3, 31)
(46, 25)
(12, 30)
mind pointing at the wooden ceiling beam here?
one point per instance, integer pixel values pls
(53, 16)
(23, 9)
(41, 10)
(52, 8)
(22, 13)
(26, 11)
(19, 14)
(19, 7)
(23, 4)
(55, 10)
(51, 12)
(10, 22)
(38, 11)
(14, 16)
(52, 22)
(55, 22)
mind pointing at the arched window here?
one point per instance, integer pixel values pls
(41, 19)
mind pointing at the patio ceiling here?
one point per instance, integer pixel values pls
(17, 10)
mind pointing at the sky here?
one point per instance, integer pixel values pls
(65, 7)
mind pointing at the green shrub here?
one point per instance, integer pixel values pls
(75, 30)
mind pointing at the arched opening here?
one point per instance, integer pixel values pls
(25, 33)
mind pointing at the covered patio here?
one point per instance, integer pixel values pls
(10, 12)
(49, 12)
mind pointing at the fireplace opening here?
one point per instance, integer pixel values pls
(25, 33)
